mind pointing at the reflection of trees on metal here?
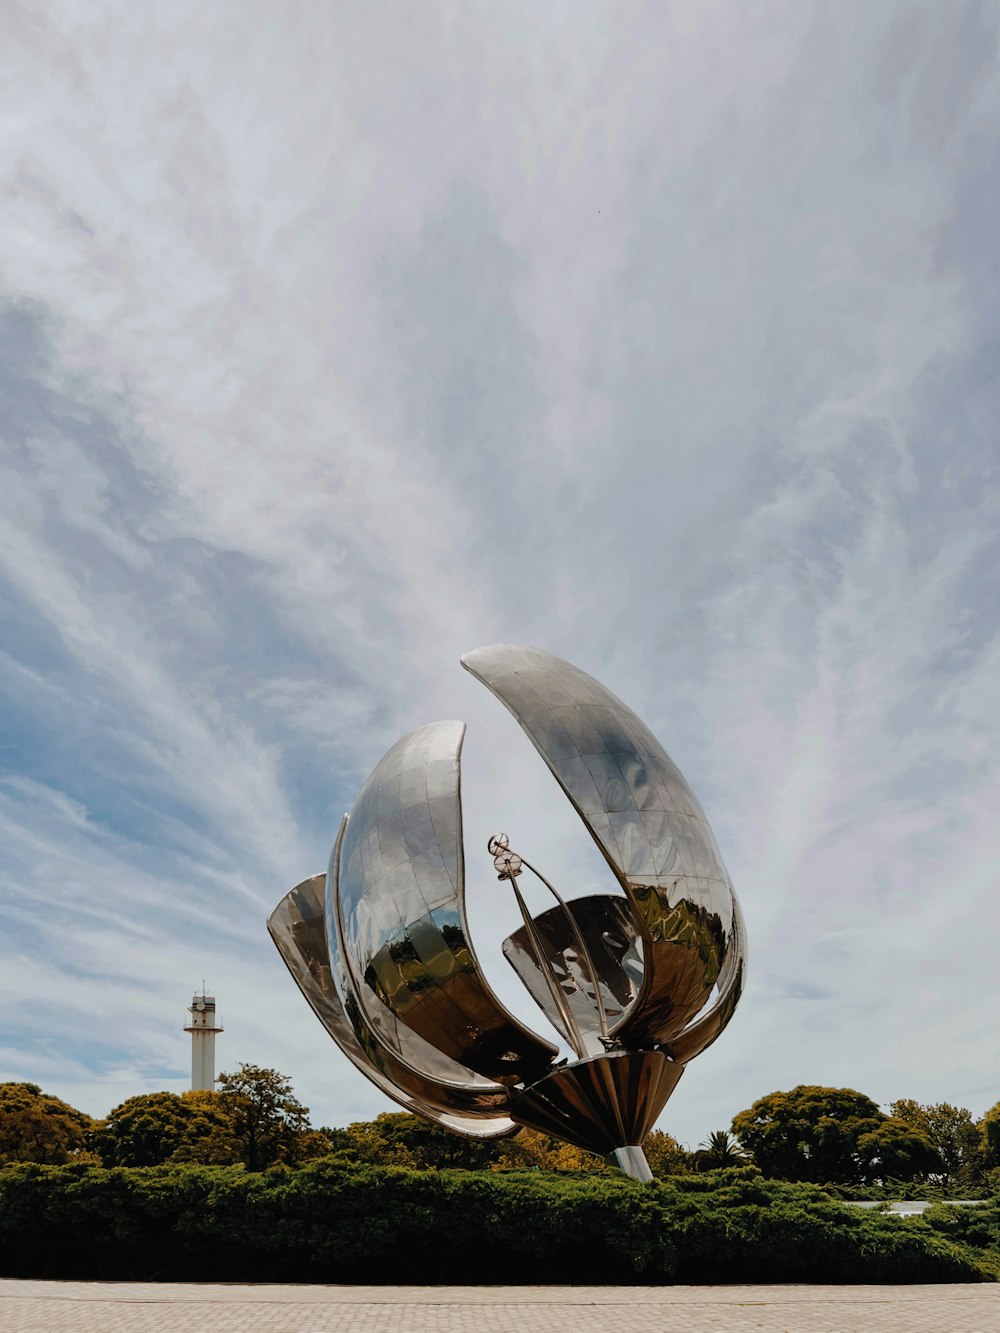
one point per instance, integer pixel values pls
(635, 985)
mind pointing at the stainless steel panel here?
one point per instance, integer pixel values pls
(400, 916)
(609, 1101)
(646, 821)
(703, 1030)
(423, 1060)
(468, 1107)
(610, 937)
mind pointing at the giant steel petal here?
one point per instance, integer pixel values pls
(706, 1027)
(648, 824)
(468, 1106)
(397, 915)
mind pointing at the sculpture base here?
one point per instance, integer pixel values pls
(606, 1104)
(632, 1161)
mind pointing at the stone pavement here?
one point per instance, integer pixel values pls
(149, 1307)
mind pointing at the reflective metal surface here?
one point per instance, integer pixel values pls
(637, 985)
(610, 1101)
(400, 908)
(612, 943)
(699, 1034)
(631, 1160)
(297, 927)
(646, 821)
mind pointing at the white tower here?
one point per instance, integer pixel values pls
(203, 1029)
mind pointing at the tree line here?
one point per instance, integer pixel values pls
(809, 1134)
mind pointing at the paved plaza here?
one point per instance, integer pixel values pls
(138, 1307)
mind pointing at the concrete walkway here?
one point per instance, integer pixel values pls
(137, 1307)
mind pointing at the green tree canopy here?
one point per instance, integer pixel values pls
(158, 1127)
(810, 1133)
(954, 1134)
(666, 1157)
(989, 1129)
(267, 1121)
(719, 1150)
(36, 1127)
(396, 1138)
(897, 1151)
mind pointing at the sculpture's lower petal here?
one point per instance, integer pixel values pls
(608, 930)
(473, 1106)
(398, 909)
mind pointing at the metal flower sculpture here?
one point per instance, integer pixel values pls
(636, 985)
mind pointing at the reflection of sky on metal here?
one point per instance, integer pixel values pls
(651, 829)
(298, 928)
(615, 949)
(400, 909)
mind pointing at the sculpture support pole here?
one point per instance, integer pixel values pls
(631, 1160)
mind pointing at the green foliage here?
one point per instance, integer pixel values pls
(990, 1140)
(720, 1150)
(665, 1155)
(831, 1135)
(976, 1226)
(896, 1151)
(267, 1122)
(890, 1191)
(954, 1135)
(253, 1121)
(396, 1138)
(35, 1127)
(333, 1222)
(158, 1127)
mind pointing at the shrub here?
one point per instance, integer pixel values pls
(975, 1225)
(331, 1221)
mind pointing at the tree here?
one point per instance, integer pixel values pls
(954, 1134)
(666, 1157)
(719, 1150)
(810, 1133)
(897, 1151)
(268, 1123)
(36, 1127)
(396, 1138)
(989, 1129)
(158, 1127)
(531, 1151)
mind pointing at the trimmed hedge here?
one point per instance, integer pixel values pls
(333, 1222)
(976, 1226)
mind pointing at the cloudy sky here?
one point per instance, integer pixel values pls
(340, 339)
